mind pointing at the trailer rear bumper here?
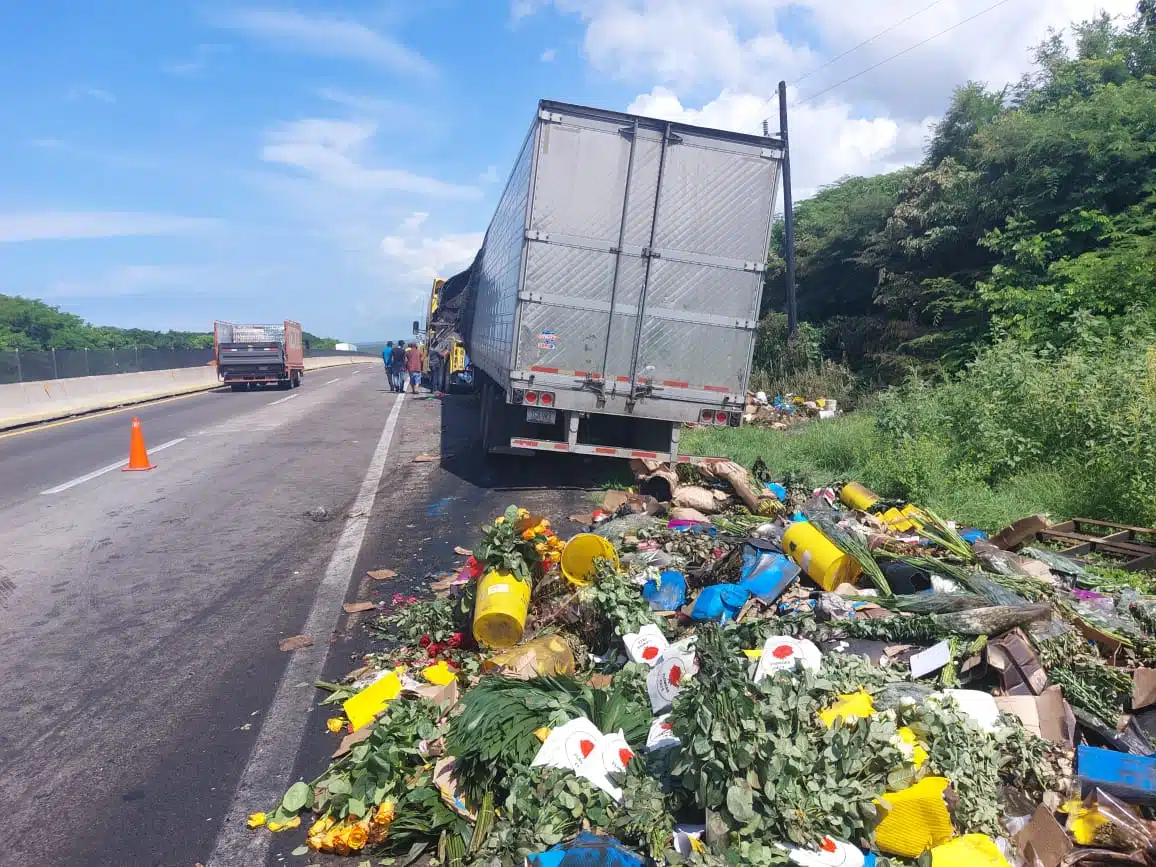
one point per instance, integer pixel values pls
(574, 391)
(606, 451)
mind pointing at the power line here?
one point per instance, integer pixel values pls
(898, 54)
(867, 41)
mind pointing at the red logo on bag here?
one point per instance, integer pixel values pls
(650, 653)
(782, 651)
(675, 675)
(587, 747)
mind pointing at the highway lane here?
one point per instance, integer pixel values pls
(148, 707)
(140, 612)
(38, 458)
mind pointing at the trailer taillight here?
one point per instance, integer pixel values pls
(546, 398)
(531, 397)
(706, 416)
(720, 417)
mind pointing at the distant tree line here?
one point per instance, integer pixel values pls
(27, 324)
(1032, 215)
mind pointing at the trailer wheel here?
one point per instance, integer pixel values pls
(296, 380)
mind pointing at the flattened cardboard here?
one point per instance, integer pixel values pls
(1046, 714)
(1044, 837)
(1019, 667)
(352, 739)
(1016, 534)
(1143, 688)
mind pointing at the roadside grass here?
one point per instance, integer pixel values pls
(852, 448)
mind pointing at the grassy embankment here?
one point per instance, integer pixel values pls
(1070, 433)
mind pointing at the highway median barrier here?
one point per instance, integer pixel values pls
(25, 403)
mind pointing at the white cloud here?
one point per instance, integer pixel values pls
(326, 36)
(413, 222)
(718, 62)
(198, 62)
(548, 55)
(73, 225)
(134, 280)
(333, 151)
(749, 45)
(94, 93)
(489, 176)
(424, 261)
(834, 142)
(360, 103)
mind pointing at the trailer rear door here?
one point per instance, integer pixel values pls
(702, 289)
(628, 277)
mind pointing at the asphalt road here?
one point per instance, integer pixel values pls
(147, 704)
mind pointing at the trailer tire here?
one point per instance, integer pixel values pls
(296, 379)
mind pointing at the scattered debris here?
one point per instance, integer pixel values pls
(381, 574)
(355, 607)
(730, 670)
(426, 459)
(295, 642)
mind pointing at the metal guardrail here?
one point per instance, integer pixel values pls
(45, 364)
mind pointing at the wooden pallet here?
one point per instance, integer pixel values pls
(1134, 548)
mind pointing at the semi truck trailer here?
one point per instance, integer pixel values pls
(253, 355)
(616, 294)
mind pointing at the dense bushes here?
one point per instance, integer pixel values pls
(1020, 429)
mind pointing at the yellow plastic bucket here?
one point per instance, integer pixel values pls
(500, 609)
(855, 496)
(579, 554)
(818, 556)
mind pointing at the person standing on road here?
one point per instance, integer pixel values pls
(413, 366)
(397, 366)
(387, 357)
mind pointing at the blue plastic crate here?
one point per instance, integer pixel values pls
(1132, 778)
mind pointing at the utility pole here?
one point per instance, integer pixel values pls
(788, 215)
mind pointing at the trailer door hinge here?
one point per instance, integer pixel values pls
(674, 138)
(771, 154)
(626, 131)
(757, 267)
(549, 117)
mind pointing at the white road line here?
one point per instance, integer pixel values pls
(266, 774)
(80, 480)
(282, 400)
(333, 381)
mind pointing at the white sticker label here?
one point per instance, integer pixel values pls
(498, 588)
(932, 659)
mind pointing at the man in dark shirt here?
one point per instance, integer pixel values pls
(397, 366)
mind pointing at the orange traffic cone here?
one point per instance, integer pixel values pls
(138, 456)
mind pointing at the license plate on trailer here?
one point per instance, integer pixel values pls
(541, 416)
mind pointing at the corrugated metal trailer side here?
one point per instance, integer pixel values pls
(622, 272)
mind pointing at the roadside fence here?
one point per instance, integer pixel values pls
(42, 364)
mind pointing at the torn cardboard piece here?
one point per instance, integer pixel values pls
(355, 607)
(1018, 666)
(295, 642)
(381, 574)
(1143, 688)
(351, 740)
(1046, 714)
(1016, 534)
(1044, 839)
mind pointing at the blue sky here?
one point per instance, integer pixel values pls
(165, 164)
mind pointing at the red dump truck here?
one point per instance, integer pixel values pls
(252, 355)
